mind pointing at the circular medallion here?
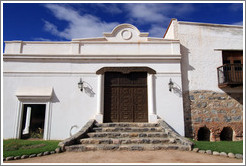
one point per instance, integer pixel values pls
(126, 34)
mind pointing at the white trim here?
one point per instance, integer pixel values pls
(37, 42)
(106, 55)
(210, 24)
(44, 72)
(47, 121)
(100, 99)
(101, 58)
(96, 41)
(18, 120)
(152, 117)
(34, 96)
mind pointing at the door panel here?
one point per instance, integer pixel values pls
(126, 104)
(110, 104)
(140, 104)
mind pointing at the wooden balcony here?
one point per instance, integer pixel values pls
(230, 75)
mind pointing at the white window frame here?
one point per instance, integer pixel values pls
(19, 119)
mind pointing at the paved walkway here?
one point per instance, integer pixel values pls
(162, 156)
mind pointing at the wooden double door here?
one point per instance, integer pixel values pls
(125, 97)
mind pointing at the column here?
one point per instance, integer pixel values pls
(151, 102)
(28, 118)
(47, 121)
(100, 94)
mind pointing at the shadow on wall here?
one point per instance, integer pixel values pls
(89, 90)
(177, 89)
(185, 67)
(237, 96)
(54, 98)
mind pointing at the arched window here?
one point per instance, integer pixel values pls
(203, 134)
(226, 134)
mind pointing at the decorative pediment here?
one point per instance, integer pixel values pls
(126, 32)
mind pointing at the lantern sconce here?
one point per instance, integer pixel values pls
(81, 85)
(170, 84)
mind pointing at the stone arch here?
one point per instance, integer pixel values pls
(203, 134)
(226, 134)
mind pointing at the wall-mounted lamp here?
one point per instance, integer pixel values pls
(170, 84)
(81, 84)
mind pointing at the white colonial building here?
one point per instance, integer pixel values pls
(124, 76)
(212, 78)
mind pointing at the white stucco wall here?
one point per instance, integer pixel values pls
(73, 107)
(68, 103)
(60, 67)
(201, 46)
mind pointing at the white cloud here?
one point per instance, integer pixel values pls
(238, 23)
(152, 15)
(158, 13)
(145, 13)
(157, 31)
(109, 8)
(51, 28)
(236, 7)
(79, 26)
(182, 9)
(41, 39)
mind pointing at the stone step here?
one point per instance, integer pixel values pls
(127, 134)
(138, 147)
(122, 124)
(127, 129)
(126, 141)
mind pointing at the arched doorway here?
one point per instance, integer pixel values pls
(226, 134)
(125, 94)
(203, 134)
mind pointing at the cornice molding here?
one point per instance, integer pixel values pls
(81, 57)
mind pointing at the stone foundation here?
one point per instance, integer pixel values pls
(215, 111)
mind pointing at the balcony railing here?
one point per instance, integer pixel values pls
(230, 75)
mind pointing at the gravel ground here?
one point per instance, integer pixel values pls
(161, 156)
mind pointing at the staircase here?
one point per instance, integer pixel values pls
(128, 136)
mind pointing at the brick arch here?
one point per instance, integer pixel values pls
(203, 134)
(226, 134)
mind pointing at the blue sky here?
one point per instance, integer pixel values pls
(65, 21)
